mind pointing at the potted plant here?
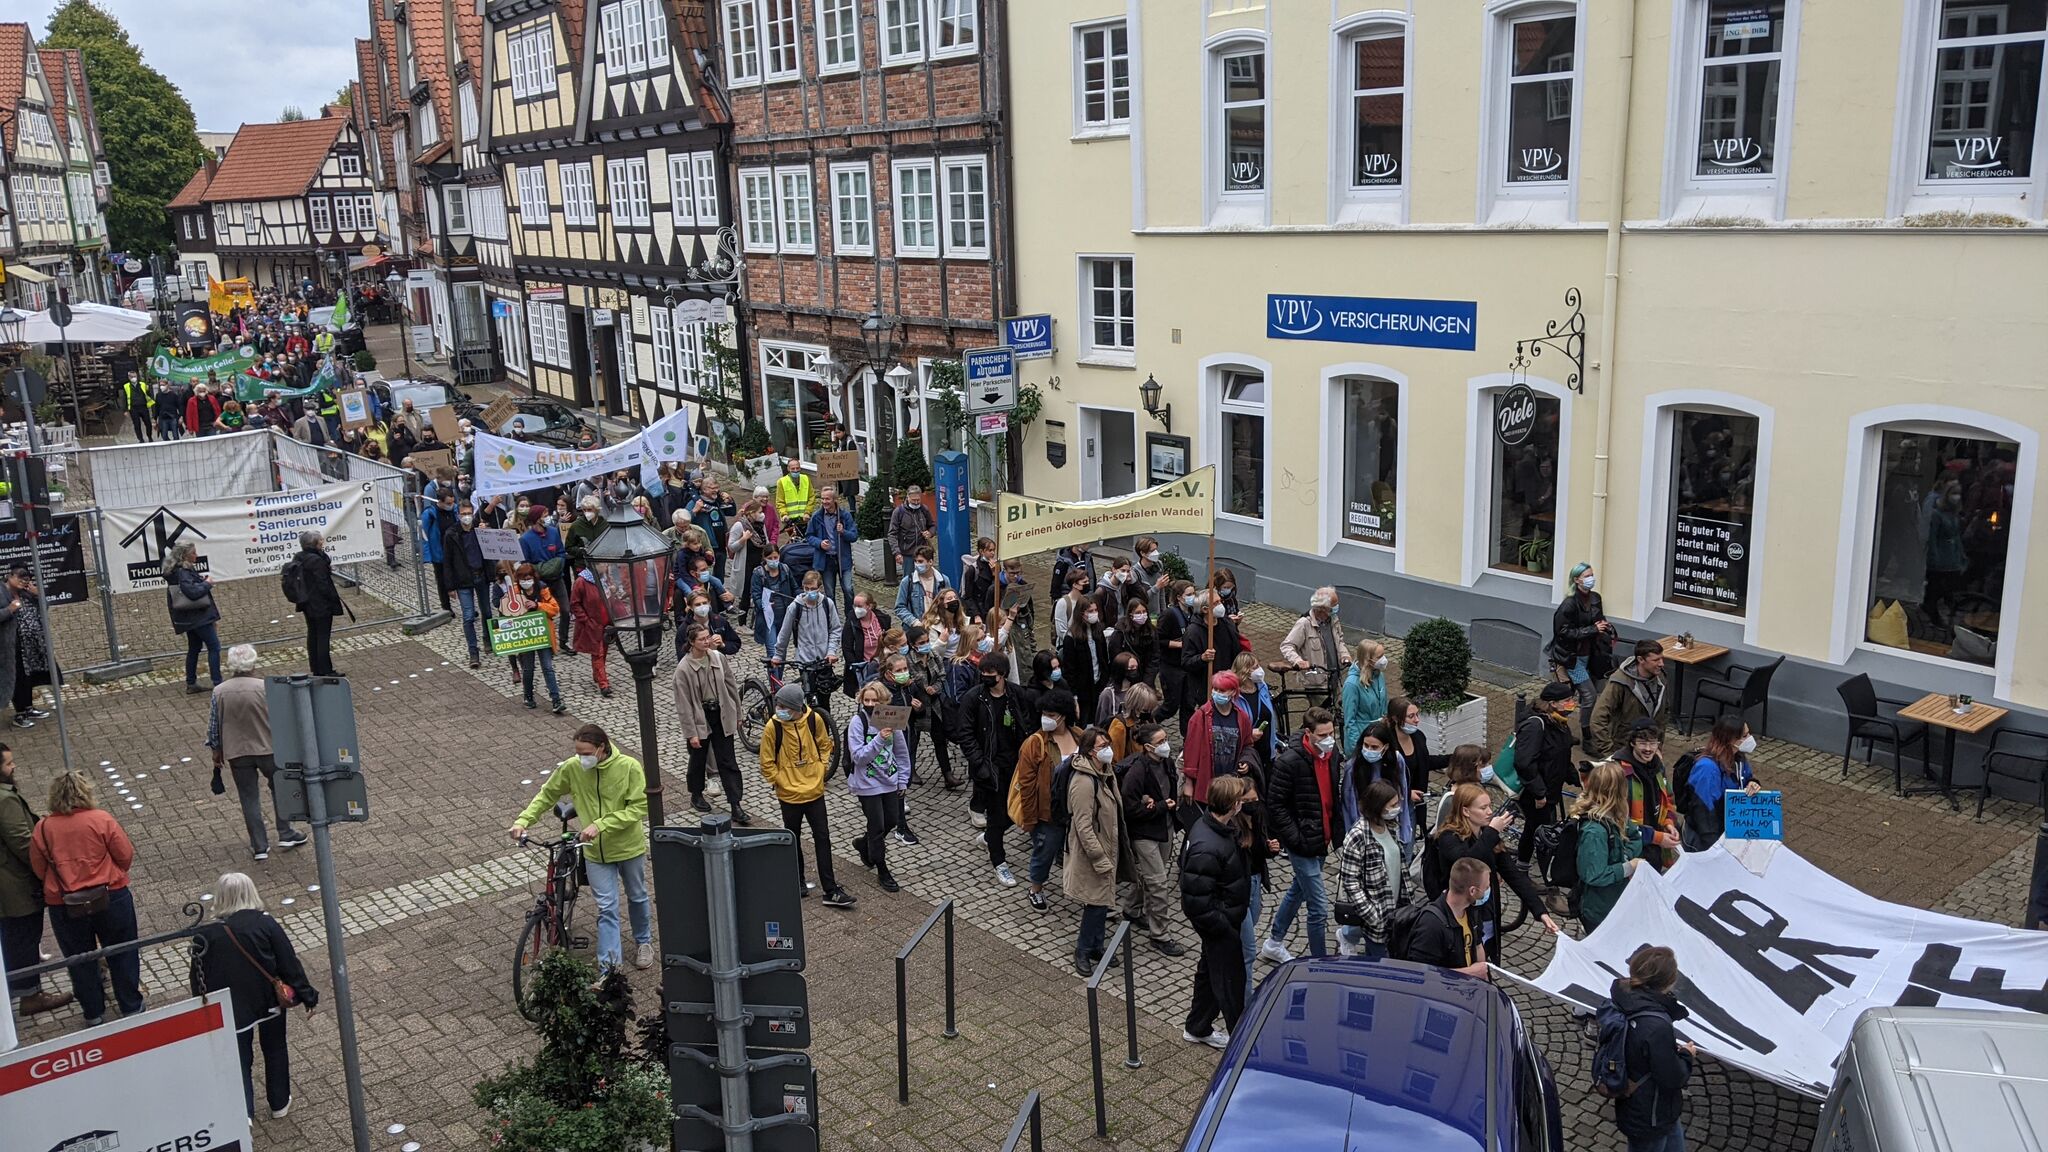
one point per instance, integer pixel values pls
(586, 1090)
(1436, 666)
(871, 519)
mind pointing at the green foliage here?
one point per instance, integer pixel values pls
(151, 139)
(872, 517)
(909, 465)
(753, 442)
(291, 112)
(718, 396)
(365, 361)
(1030, 402)
(344, 97)
(586, 1090)
(1436, 664)
(1176, 566)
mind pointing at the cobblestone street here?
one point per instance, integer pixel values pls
(432, 896)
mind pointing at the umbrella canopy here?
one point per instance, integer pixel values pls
(90, 324)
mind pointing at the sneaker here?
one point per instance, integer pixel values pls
(1005, 877)
(1344, 947)
(839, 898)
(1167, 946)
(21, 721)
(605, 692)
(905, 836)
(475, 663)
(34, 713)
(529, 702)
(1038, 901)
(95, 1021)
(698, 802)
(291, 840)
(1217, 1039)
(643, 957)
(1274, 951)
(262, 855)
(977, 819)
(280, 1113)
(558, 707)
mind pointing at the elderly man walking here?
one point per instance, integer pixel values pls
(238, 731)
(1317, 640)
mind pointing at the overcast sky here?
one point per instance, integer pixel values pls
(238, 63)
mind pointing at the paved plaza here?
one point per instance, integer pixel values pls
(433, 895)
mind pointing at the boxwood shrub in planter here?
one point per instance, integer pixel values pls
(871, 519)
(1436, 667)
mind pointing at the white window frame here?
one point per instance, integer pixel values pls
(696, 359)
(1110, 124)
(903, 19)
(1335, 455)
(1479, 394)
(317, 214)
(549, 325)
(1239, 207)
(1379, 203)
(799, 363)
(455, 206)
(704, 166)
(429, 124)
(741, 22)
(960, 19)
(838, 36)
(1653, 543)
(1501, 202)
(759, 229)
(345, 214)
(634, 194)
(351, 165)
(366, 212)
(796, 210)
(1111, 355)
(957, 207)
(579, 192)
(661, 327)
(682, 199)
(1212, 369)
(1911, 192)
(928, 172)
(466, 111)
(1687, 194)
(853, 209)
(533, 60)
(782, 56)
(1859, 501)
(511, 337)
(532, 182)
(654, 19)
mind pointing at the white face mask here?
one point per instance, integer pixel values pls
(1162, 749)
(1746, 745)
(1105, 754)
(587, 759)
(1152, 557)
(1380, 662)
(1392, 814)
(1095, 617)
(1325, 744)
(1259, 675)
(1219, 611)
(591, 517)
(1140, 617)
(703, 611)
(1047, 723)
(860, 612)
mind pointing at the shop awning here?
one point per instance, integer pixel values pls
(24, 272)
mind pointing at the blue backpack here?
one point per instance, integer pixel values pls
(1610, 1053)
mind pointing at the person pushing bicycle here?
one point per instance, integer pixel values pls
(610, 790)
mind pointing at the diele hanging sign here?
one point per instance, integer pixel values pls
(1514, 416)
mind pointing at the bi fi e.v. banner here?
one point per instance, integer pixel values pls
(506, 465)
(1184, 504)
(242, 536)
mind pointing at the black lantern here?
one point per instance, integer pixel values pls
(631, 563)
(1148, 394)
(12, 325)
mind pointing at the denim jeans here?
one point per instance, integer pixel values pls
(1088, 946)
(605, 881)
(114, 925)
(1355, 938)
(1249, 933)
(1307, 888)
(1671, 1141)
(207, 635)
(467, 596)
(1048, 840)
(546, 659)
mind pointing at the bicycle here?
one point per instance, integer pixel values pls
(547, 922)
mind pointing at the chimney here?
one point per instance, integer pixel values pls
(329, 111)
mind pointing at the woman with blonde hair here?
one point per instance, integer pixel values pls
(877, 772)
(246, 952)
(1365, 691)
(1609, 850)
(82, 857)
(1140, 707)
(1474, 830)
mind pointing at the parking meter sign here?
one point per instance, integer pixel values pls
(991, 379)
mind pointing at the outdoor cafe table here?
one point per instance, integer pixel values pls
(1697, 652)
(1936, 709)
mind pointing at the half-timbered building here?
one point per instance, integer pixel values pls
(35, 170)
(291, 201)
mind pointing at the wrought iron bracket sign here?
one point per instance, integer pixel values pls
(1566, 336)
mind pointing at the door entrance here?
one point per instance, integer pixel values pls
(1109, 453)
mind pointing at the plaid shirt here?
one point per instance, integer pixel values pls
(1362, 879)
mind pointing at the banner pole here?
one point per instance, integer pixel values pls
(1210, 577)
(99, 555)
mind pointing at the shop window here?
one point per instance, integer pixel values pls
(1740, 58)
(1524, 506)
(1372, 444)
(1942, 523)
(1712, 505)
(798, 407)
(1985, 103)
(1243, 426)
(1541, 77)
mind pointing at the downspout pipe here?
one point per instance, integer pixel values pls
(1610, 293)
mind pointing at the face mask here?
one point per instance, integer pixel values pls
(812, 597)
(1381, 662)
(900, 677)
(1484, 898)
(784, 715)
(1259, 675)
(1223, 700)
(1219, 611)
(923, 568)
(1162, 749)
(1586, 581)
(1095, 617)
(985, 644)
(860, 612)
(469, 521)
(1225, 590)
(1392, 814)
(1486, 773)
(924, 649)
(1333, 611)
(1047, 723)
(702, 611)
(1325, 744)
(1140, 617)
(1372, 755)
(590, 517)
(1056, 674)
(1411, 729)
(526, 585)
(447, 508)
(774, 565)
(1105, 754)
(989, 681)
(1152, 557)
(1746, 745)
(587, 759)
(1187, 601)
(1119, 577)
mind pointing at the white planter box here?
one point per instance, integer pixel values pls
(1465, 724)
(870, 557)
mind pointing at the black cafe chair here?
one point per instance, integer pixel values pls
(2023, 763)
(1745, 686)
(1860, 700)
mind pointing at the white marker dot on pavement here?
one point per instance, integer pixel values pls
(206, 896)
(163, 767)
(394, 1130)
(184, 759)
(104, 763)
(289, 900)
(409, 676)
(410, 1146)
(394, 681)
(312, 887)
(137, 807)
(526, 781)
(273, 621)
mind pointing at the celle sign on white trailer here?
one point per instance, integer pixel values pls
(169, 1080)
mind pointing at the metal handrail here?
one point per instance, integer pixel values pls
(195, 929)
(1121, 940)
(1027, 1117)
(945, 911)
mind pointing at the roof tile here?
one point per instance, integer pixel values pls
(274, 161)
(14, 45)
(193, 194)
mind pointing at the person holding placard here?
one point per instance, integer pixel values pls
(1721, 767)
(525, 592)
(878, 771)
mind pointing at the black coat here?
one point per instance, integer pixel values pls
(989, 743)
(185, 620)
(222, 965)
(1141, 776)
(1543, 759)
(1080, 680)
(1574, 632)
(1446, 846)
(1215, 879)
(462, 555)
(1294, 806)
(1654, 1059)
(977, 588)
(316, 579)
(1437, 939)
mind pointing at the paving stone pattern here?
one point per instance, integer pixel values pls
(433, 894)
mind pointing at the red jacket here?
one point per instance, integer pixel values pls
(79, 850)
(586, 608)
(1198, 751)
(198, 416)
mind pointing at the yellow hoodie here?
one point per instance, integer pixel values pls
(796, 756)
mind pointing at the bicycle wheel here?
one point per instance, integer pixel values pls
(565, 909)
(533, 944)
(754, 704)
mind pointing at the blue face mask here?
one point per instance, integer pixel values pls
(784, 715)
(1411, 729)
(1484, 898)
(1372, 755)
(1055, 675)
(1486, 773)
(1224, 700)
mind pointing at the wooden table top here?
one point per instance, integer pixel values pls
(1697, 652)
(1935, 709)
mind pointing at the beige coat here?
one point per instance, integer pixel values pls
(709, 679)
(1304, 641)
(1094, 833)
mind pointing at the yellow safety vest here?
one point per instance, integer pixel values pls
(793, 496)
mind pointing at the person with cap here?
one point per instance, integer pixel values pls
(796, 753)
(1635, 692)
(795, 495)
(1581, 642)
(1652, 810)
(1543, 760)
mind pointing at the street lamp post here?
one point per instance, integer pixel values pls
(61, 313)
(631, 563)
(396, 283)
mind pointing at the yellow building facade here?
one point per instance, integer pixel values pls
(1774, 274)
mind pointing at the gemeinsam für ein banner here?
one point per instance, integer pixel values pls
(1775, 968)
(242, 535)
(1184, 504)
(504, 465)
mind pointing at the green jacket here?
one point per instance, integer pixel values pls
(1603, 869)
(611, 797)
(576, 539)
(21, 894)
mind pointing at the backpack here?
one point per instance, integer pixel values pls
(1062, 781)
(1683, 798)
(1557, 854)
(1610, 1051)
(816, 725)
(1401, 926)
(292, 581)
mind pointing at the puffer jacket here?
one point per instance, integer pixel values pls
(1657, 1066)
(796, 756)
(1294, 803)
(1215, 879)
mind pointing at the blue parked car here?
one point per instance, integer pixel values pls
(1353, 1055)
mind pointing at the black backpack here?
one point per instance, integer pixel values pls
(1062, 781)
(1401, 926)
(1557, 853)
(292, 581)
(1610, 1051)
(1683, 797)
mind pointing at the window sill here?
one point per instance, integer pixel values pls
(2003, 200)
(917, 253)
(1519, 209)
(852, 69)
(903, 62)
(1090, 135)
(1124, 360)
(1702, 207)
(1521, 574)
(1372, 211)
(1238, 213)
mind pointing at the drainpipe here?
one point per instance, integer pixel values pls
(1610, 295)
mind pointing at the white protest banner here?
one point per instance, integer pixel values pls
(168, 1078)
(504, 465)
(499, 544)
(1184, 504)
(1776, 966)
(244, 535)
